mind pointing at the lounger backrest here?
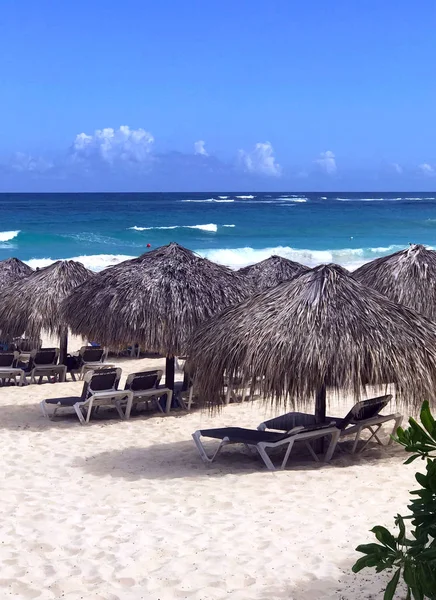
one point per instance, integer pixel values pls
(366, 409)
(90, 354)
(44, 356)
(103, 380)
(145, 380)
(7, 359)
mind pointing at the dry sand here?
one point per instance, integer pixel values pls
(127, 510)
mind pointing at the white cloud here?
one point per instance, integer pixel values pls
(113, 145)
(397, 168)
(200, 149)
(426, 169)
(25, 162)
(327, 162)
(261, 160)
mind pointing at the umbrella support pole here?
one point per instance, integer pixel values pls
(169, 372)
(63, 346)
(320, 416)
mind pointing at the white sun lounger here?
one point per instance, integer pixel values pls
(43, 363)
(99, 389)
(91, 359)
(8, 371)
(363, 415)
(260, 441)
(145, 386)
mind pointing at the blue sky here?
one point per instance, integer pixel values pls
(204, 95)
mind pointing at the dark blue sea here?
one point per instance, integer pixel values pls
(232, 229)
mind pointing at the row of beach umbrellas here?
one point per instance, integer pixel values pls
(298, 331)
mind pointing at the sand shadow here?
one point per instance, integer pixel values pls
(29, 417)
(179, 460)
(366, 585)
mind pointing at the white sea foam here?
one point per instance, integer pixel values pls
(212, 227)
(229, 225)
(323, 197)
(350, 258)
(219, 200)
(246, 197)
(95, 262)
(6, 236)
(293, 199)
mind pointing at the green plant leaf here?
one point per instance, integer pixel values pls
(372, 549)
(392, 586)
(427, 418)
(384, 536)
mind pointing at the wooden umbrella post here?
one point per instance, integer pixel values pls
(169, 372)
(320, 404)
(320, 416)
(63, 345)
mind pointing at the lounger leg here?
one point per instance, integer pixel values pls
(128, 407)
(88, 416)
(207, 459)
(312, 451)
(356, 440)
(266, 459)
(157, 403)
(44, 409)
(397, 424)
(119, 409)
(79, 413)
(169, 399)
(373, 434)
(288, 452)
(334, 439)
(191, 394)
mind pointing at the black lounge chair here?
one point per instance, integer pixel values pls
(44, 363)
(91, 358)
(363, 415)
(261, 440)
(99, 389)
(145, 386)
(8, 369)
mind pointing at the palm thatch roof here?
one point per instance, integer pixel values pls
(407, 277)
(156, 300)
(322, 329)
(11, 270)
(33, 304)
(272, 271)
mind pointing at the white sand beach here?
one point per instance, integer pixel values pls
(126, 510)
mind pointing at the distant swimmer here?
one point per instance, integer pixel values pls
(148, 245)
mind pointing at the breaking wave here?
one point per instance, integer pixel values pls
(95, 262)
(212, 227)
(350, 258)
(6, 236)
(219, 200)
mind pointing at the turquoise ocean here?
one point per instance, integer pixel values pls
(234, 229)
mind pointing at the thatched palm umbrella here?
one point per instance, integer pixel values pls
(11, 270)
(157, 300)
(272, 271)
(321, 330)
(407, 277)
(34, 304)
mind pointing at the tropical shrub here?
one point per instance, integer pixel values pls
(410, 552)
